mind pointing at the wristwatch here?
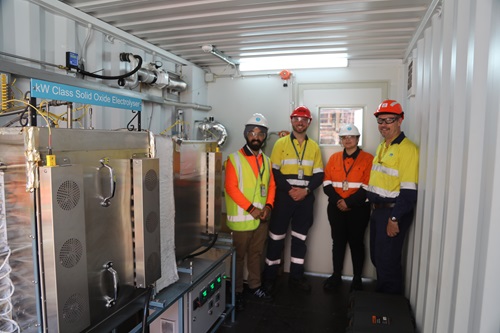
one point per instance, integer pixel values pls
(394, 219)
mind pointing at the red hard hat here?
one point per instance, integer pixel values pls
(389, 106)
(301, 111)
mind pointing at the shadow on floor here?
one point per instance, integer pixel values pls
(296, 311)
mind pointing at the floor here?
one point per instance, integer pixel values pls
(296, 312)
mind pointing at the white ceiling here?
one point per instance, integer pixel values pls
(364, 29)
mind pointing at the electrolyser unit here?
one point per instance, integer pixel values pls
(84, 233)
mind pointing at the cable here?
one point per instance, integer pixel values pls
(212, 243)
(105, 77)
(145, 312)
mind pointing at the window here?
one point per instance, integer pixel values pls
(333, 118)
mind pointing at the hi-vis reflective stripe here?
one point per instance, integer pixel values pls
(273, 262)
(299, 236)
(383, 193)
(241, 217)
(298, 182)
(295, 161)
(242, 214)
(297, 260)
(351, 185)
(408, 186)
(385, 170)
(276, 237)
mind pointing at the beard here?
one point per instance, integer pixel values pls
(299, 128)
(255, 144)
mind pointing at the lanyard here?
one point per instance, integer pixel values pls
(350, 168)
(261, 173)
(297, 153)
(345, 183)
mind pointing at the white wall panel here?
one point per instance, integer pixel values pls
(457, 58)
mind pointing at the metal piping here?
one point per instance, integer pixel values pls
(187, 105)
(35, 73)
(213, 50)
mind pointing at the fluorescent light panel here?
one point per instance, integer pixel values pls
(293, 62)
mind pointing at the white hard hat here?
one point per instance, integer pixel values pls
(349, 129)
(258, 119)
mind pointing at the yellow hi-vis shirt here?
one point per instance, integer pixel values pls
(394, 168)
(239, 219)
(288, 157)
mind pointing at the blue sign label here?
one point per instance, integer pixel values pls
(62, 92)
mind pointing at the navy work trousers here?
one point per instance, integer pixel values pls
(286, 212)
(386, 252)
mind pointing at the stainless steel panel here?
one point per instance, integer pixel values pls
(190, 196)
(64, 248)
(146, 195)
(214, 191)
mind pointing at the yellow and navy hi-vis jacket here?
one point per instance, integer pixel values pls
(287, 161)
(394, 175)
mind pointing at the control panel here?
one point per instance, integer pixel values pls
(207, 301)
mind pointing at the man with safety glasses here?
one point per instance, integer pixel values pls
(250, 191)
(298, 171)
(392, 192)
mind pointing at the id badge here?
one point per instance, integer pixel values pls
(300, 174)
(263, 191)
(345, 185)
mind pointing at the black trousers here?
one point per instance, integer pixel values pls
(348, 228)
(386, 252)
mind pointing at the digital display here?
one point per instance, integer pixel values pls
(72, 60)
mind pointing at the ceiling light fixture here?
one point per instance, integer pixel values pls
(293, 62)
(207, 48)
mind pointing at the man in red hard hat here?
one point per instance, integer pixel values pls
(392, 192)
(298, 171)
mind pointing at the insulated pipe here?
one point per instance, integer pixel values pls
(69, 115)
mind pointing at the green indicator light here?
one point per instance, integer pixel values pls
(205, 293)
(212, 285)
(219, 279)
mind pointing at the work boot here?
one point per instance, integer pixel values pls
(268, 285)
(299, 284)
(332, 282)
(357, 283)
(261, 293)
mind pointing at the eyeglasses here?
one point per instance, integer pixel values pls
(389, 120)
(348, 137)
(298, 119)
(260, 135)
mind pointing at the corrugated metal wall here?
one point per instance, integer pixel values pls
(453, 276)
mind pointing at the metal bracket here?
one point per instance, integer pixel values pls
(131, 126)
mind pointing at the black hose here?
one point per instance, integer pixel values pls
(146, 307)
(118, 77)
(212, 243)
